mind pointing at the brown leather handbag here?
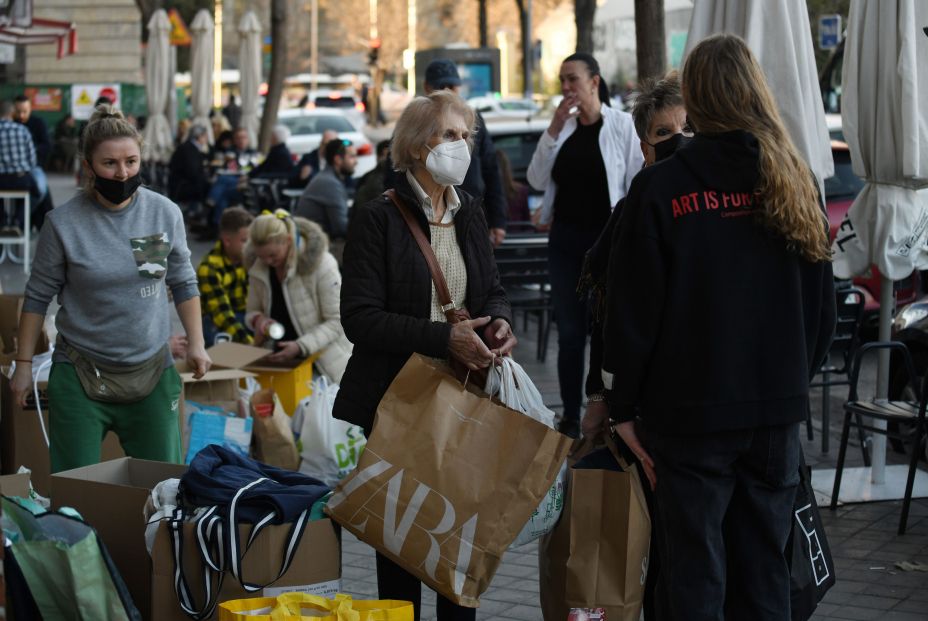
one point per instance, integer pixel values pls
(452, 311)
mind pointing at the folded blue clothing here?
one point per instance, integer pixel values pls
(217, 476)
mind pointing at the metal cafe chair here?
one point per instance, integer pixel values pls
(835, 370)
(890, 411)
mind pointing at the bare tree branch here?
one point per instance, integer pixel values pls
(275, 81)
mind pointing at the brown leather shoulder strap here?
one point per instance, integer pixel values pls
(441, 286)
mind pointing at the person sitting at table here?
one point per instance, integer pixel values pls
(224, 281)
(313, 162)
(187, 180)
(293, 280)
(325, 199)
(225, 190)
(279, 162)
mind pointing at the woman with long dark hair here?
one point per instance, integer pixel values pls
(584, 163)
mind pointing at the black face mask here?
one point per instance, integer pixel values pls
(666, 148)
(117, 191)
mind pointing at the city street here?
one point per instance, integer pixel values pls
(863, 537)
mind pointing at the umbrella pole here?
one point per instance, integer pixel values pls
(878, 443)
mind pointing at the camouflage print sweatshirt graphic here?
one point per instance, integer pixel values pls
(110, 271)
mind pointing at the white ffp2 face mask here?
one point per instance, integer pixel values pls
(448, 162)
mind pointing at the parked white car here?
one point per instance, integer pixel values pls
(306, 127)
(512, 107)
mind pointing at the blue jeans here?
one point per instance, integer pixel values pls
(728, 502)
(41, 182)
(223, 192)
(567, 248)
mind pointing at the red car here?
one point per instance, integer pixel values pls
(840, 192)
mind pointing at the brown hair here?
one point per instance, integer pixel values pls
(106, 123)
(233, 219)
(724, 89)
(421, 120)
(655, 95)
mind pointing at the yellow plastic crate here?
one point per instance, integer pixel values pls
(291, 385)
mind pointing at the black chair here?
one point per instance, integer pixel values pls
(835, 370)
(890, 411)
(522, 261)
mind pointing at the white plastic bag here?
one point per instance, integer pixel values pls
(329, 448)
(510, 383)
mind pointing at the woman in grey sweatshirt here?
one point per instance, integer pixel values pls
(110, 254)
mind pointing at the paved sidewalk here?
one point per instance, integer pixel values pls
(863, 536)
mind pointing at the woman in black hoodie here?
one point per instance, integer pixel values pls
(720, 302)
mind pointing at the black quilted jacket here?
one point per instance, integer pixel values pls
(386, 296)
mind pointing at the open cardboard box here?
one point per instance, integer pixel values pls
(316, 567)
(234, 361)
(111, 497)
(22, 442)
(15, 485)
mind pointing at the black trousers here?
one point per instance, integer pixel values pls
(725, 502)
(394, 582)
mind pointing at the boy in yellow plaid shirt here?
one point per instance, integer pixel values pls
(223, 280)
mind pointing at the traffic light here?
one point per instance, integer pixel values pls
(373, 52)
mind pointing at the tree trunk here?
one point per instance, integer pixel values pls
(649, 39)
(482, 21)
(147, 8)
(275, 81)
(584, 12)
(525, 34)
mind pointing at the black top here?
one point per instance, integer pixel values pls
(279, 312)
(712, 323)
(39, 132)
(582, 198)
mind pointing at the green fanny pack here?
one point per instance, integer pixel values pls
(116, 383)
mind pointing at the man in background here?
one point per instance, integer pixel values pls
(313, 162)
(482, 180)
(325, 199)
(22, 113)
(17, 157)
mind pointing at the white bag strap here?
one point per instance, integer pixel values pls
(211, 538)
(293, 540)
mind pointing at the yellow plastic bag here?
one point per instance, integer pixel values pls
(292, 606)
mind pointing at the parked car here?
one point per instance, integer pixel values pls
(840, 192)
(510, 107)
(307, 124)
(343, 100)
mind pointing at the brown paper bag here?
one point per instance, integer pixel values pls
(609, 533)
(447, 480)
(273, 437)
(554, 547)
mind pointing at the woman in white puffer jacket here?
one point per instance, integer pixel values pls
(294, 280)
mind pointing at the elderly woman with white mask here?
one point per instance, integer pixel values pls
(389, 306)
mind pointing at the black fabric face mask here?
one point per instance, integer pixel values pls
(666, 148)
(117, 191)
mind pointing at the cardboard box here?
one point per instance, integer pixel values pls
(291, 381)
(15, 485)
(316, 567)
(22, 442)
(111, 497)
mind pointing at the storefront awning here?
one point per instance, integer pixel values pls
(39, 30)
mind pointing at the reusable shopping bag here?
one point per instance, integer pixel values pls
(447, 480)
(292, 606)
(274, 442)
(212, 424)
(65, 566)
(329, 448)
(597, 555)
(812, 570)
(509, 382)
(222, 491)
